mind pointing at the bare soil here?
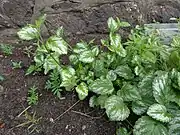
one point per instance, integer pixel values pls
(86, 22)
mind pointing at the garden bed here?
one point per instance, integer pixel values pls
(79, 118)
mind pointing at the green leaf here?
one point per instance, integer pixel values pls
(93, 101)
(116, 46)
(159, 112)
(40, 21)
(176, 98)
(57, 44)
(95, 50)
(31, 69)
(173, 108)
(149, 56)
(124, 24)
(122, 131)
(112, 25)
(73, 59)
(41, 49)
(101, 100)
(129, 92)
(176, 41)
(82, 91)
(116, 109)
(147, 126)
(124, 71)
(161, 89)
(175, 77)
(60, 32)
(145, 85)
(51, 62)
(68, 78)
(39, 59)
(87, 56)
(111, 75)
(80, 47)
(139, 107)
(174, 59)
(98, 101)
(102, 86)
(174, 125)
(99, 68)
(28, 33)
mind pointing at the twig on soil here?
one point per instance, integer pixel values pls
(86, 115)
(24, 111)
(67, 110)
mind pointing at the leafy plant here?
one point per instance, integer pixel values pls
(54, 83)
(139, 76)
(6, 49)
(17, 65)
(32, 96)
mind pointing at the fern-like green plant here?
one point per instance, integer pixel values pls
(54, 83)
(32, 98)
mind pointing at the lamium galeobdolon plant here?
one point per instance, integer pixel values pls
(140, 76)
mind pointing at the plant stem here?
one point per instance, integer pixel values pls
(42, 42)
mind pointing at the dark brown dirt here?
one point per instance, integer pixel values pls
(13, 100)
(82, 20)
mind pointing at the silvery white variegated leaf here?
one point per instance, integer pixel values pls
(116, 45)
(112, 24)
(148, 126)
(57, 44)
(82, 91)
(29, 32)
(159, 112)
(80, 47)
(162, 91)
(51, 62)
(116, 109)
(174, 125)
(124, 71)
(68, 78)
(129, 92)
(87, 56)
(102, 86)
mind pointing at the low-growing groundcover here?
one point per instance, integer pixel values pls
(139, 76)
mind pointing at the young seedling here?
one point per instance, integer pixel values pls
(32, 96)
(6, 49)
(28, 51)
(31, 122)
(17, 65)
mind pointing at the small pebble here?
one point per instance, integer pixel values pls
(83, 127)
(51, 120)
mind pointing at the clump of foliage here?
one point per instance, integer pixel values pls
(139, 76)
(32, 96)
(6, 49)
(17, 65)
